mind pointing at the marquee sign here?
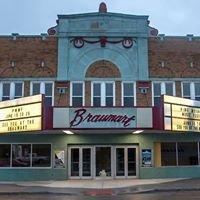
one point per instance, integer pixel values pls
(24, 114)
(181, 114)
(103, 117)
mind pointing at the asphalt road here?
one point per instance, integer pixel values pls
(186, 195)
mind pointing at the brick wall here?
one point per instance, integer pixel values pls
(144, 99)
(28, 53)
(177, 53)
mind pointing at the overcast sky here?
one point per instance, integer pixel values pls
(170, 17)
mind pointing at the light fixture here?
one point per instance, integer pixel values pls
(68, 132)
(12, 63)
(42, 64)
(137, 131)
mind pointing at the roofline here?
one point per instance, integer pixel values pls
(175, 36)
(93, 14)
(26, 36)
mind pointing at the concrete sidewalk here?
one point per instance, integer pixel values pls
(97, 187)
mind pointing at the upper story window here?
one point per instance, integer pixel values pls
(160, 88)
(11, 90)
(128, 94)
(77, 89)
(46, 88)
(103, 94)
(191, 90)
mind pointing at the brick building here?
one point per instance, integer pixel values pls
(103, 76)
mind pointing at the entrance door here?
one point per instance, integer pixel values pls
(125, 161)
(87, 162)
(81, 162)
(103, 160)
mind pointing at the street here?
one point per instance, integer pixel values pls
(187, 195)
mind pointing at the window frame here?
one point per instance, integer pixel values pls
(163, 88)
(12, 89)
(134, 93)
(103, 93)
(42, 88)
(177, 154)
(83, 91)
(31, 167)
(192, 89)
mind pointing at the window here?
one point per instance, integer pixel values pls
(25, 155)
(187, 153)
(103, 94)
(186, 90)
(21, 155)
(160, 88)
(46, 88)
(11, 90)
(168, 154)
(179, 153)
(5, 155)
(191, 90)
(18, 90)
(128, 94)
(77, 94)
(41, 155)
(197, 91)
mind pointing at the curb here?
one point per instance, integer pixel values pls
(101, 192)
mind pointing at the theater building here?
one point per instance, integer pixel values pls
(88, 97)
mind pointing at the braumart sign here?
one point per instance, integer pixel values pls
(102, 117)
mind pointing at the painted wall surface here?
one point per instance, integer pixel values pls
(61, 142)
(74, 62)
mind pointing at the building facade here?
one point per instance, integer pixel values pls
(102, 75)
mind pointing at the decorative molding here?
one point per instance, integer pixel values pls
(80, 41)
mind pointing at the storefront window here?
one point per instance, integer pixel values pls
(179, 154)
(188, 153)
(21, 155)
(41, 155)
(5, 155)
(168, 154)
(25, 155)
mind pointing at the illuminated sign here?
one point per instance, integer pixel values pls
(24, 114)
(181, 114)
(82, 115)
(96, 117)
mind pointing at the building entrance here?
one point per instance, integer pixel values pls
(87, 162)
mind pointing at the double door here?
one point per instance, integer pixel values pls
(89, 161)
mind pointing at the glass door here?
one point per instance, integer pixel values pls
(80, 160)
(131, 158)
(103, 160)
(75, 162)
(125, 161)
(120, 161)
(86, 162)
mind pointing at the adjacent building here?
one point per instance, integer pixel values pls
(102, 76)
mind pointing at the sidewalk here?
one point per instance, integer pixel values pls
(96, 187)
